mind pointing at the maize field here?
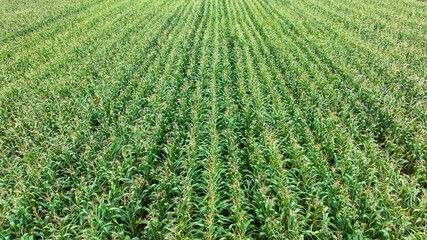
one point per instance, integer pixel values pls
(213, 119)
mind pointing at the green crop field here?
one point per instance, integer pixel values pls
(213, 119)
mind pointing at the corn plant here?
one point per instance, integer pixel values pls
(213, 119)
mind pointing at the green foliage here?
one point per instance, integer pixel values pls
(213, 119)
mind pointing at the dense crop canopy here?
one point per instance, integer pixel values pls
(213, 119)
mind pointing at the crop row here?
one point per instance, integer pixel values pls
(214, 119)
